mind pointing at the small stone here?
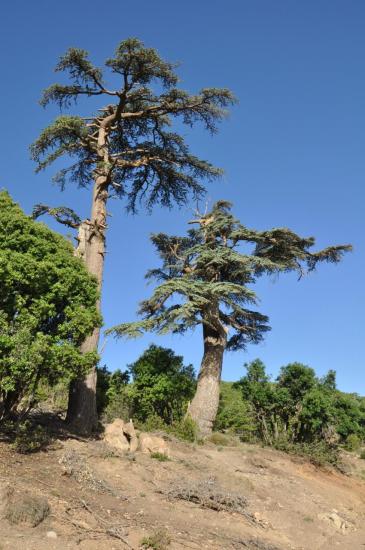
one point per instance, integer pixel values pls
(51, 535)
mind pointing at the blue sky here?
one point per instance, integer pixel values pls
(292, 150)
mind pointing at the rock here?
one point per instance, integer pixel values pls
(130, 433)
(25, 508)
(153, 444)
(337, 522)
(115, 437)
(51, 535)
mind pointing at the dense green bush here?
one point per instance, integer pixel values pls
(30, 438)
(234, 414)
(353, 442)
(162, 386)
(47, 307)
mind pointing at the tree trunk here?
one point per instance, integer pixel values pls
(81, 413)
(204, 406)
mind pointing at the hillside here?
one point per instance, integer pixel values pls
(99, 500)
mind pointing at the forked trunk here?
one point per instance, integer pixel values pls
(204, 406)
(81, 413)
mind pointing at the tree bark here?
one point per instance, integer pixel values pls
(204, 406)
(81, 413)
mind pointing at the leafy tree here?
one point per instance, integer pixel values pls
(350, 416)
(127, 149)
(329, 380)
(206, 279)
(234, 414)
(162, 386)
(109, 386)
(257, 390)
(299, 407)
(47, 308)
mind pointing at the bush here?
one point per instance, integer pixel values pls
(353, 442)
(234, 414)
(185, 429)
(160, 540)
(160, 457)
(162, 386)
(30, 438)
(118, 407)
(319, 453)
(221, 439)
(362, 455)
(54, 397)
(27, 509)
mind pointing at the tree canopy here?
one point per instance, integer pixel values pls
(300, 407)
(210, 266)
(47, 307)
(130, 139)
(162, 385)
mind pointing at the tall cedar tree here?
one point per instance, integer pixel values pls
(128, 150)
(206, 279)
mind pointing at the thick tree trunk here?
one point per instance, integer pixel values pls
(81, 414)
(204, 406)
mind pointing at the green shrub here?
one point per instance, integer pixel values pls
(353, 442)
(234, 414)
(162, 386)
(185, 429)
(118, 407)
(30, 438)
(161, 457)
(55, 397)
(221, 439)
(160, 540)
(318, 453)
(362, 455)
(153, 423)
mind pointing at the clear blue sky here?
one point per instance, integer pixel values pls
(293, 151)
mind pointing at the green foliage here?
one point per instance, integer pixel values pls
(55, 396)
(110, 387)
(112, 395)
(185, 429)
(159, 540)
(362, 455)
(319, 453)
(353, 442)
(205, 277)
(301, 413)
(350, 414)
(47, 307)
(30, 438)
(144, 158)
(221, 439)
(162, 385)
(160, 457)
(234, 413)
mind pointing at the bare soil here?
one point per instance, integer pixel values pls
(99, 500)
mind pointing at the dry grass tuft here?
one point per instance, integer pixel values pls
(27, 509)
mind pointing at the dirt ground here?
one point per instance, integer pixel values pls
(99, 500)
